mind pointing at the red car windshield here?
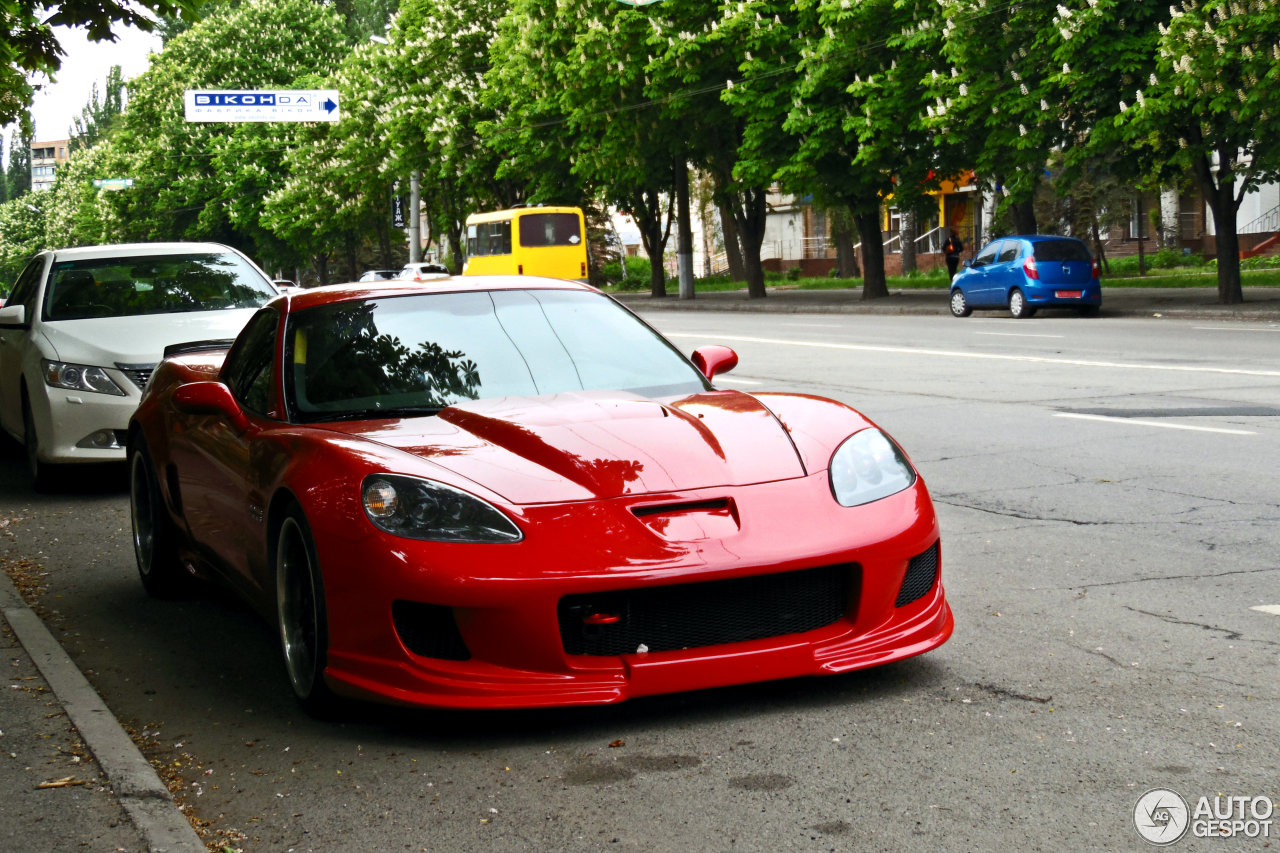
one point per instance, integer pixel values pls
(417, 354)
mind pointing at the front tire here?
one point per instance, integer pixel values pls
(154, 536)
(1018, 306)
(959, 305)
(301, 614)
(41, 472)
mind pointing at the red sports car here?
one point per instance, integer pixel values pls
(510, 492)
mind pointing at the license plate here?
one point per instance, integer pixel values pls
(1068, 294)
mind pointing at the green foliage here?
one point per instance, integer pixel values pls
(29, 44)
(99, 114)
(21, 234)
(637, 274)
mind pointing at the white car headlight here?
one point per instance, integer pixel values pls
(80, 377)
(868, 467)
(423, 509)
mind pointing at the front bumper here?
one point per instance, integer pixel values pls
(504, 599)
(77, 426)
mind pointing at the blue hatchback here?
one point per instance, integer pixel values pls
(1023, 273)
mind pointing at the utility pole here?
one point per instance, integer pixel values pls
(415, 217)
(684, 232)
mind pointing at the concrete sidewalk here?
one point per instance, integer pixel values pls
(70, 776)
(1262, 304)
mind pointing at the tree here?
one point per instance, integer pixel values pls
(17, 178)
(1202, 97)
(21, 234)
(206, 180)
(28, 44)
(99, 115)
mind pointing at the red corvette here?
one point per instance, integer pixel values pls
(509, 492)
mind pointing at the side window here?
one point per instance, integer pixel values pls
(1009, 251)
(987, 255)
(27, 288)
(250, 367)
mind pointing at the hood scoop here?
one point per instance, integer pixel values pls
(691, 521)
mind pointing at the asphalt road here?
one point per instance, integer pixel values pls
(1109, 500)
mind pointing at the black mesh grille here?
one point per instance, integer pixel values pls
(139, 373)
(687, 616)
(429, 630)
(922, 571)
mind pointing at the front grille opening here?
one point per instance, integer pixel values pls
(690, 506)
(688, 616)
(137, 373)
(922, 572)
(429, 630)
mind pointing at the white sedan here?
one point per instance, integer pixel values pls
(83, 328)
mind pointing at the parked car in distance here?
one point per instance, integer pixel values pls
(501, 492)
(84, 328)
(379, 275)
(1024, 273)
(422, 271)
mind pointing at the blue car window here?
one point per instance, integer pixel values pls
(1009, 251)
(987, 255)
(1061, 250)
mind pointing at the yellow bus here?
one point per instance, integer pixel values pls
(542, 240)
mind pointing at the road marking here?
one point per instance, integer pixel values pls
(1030, 359)
(1273, 609)
(813, 325)
(1137, 422)
(1017, 335)
(1232, 329)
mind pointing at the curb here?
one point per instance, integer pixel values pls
(141, 793)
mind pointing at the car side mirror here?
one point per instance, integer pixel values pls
(965, 263)
(284, 284)
(210, 398)
(13, 317)
(713, 360)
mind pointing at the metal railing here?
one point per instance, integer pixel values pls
(1269, 221)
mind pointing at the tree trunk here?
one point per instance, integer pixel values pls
(874, 285)
(655, 229)
(842, 236)
(1024, 216)
(1099, 250)
(1219, 192)
(684, 231)
(349, 248)
(907, 240)
(750, 209)
(732, 242)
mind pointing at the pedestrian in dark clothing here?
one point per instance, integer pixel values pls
(952, 249)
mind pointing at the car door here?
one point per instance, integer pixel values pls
(1006, 272)
(978, 287)
(14, 343)
(219, 469)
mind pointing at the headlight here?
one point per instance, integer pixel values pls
(79, 377)
(868, 467)
(423, 509)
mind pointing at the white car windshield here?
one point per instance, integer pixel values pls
(154, 284)
(407, 355)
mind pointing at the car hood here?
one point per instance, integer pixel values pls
(580, 446)
(105, 341)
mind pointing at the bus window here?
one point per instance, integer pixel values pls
(549, 229)
(489, 238)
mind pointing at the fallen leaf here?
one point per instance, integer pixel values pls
(65, 782)
(617, 743)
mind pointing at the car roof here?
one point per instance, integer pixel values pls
(1036, 238)
(350, 291)
(133, 250)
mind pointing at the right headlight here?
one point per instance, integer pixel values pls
(868, 467)
(80, 377)
(424, 509)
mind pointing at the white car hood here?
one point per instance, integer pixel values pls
(106, 341)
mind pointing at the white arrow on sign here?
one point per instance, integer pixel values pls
(208, 105)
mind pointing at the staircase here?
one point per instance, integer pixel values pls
(1267, 222)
